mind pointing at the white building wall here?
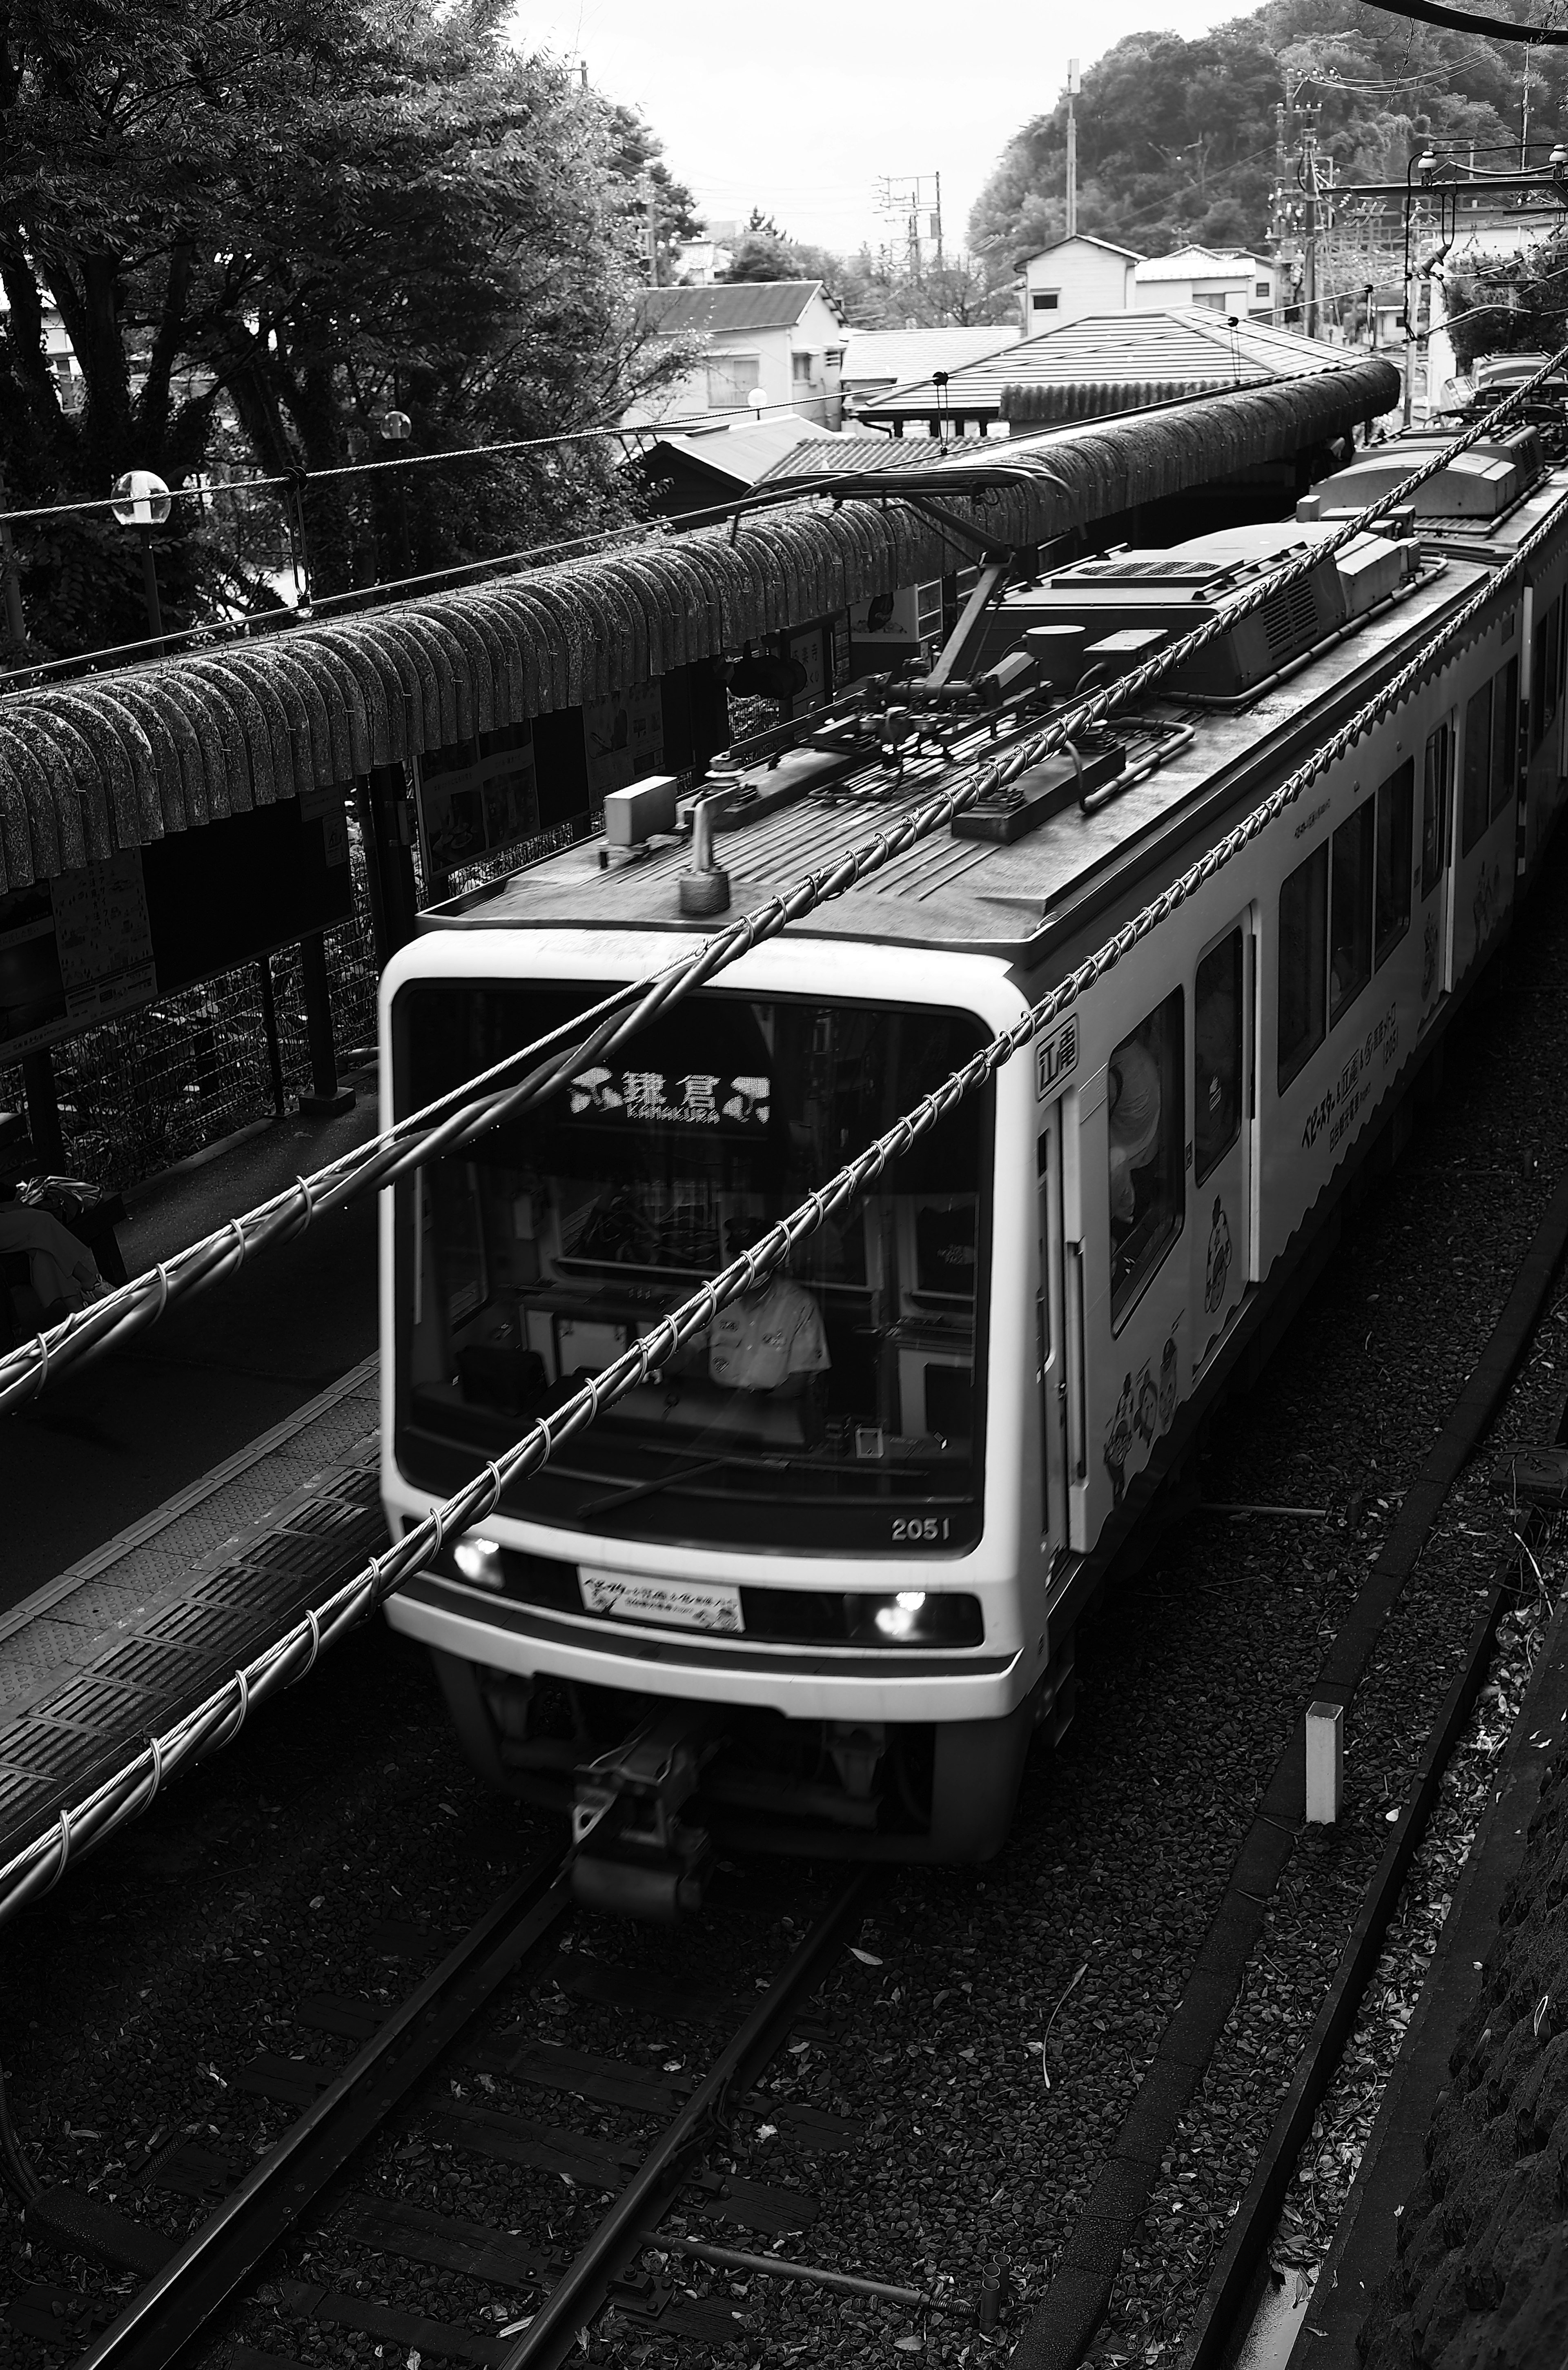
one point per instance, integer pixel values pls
(1233, 291)
(1084, 278)
(798, 369)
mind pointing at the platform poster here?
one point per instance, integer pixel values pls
(623, 738)
(73, 950)
(475, 797)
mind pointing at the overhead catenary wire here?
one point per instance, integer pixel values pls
(217, 1720)
(541, 1068)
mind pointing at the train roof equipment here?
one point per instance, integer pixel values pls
(1026, 867)
(1484, 483)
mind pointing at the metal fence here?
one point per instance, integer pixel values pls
(150, 1088)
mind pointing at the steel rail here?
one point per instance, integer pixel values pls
(632, 2222)
(26, 1370)
(219, 1718)
(180, 2301)
(1218, 2325)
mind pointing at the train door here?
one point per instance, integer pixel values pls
(1434, 864)
(1050, 1321)
(1220, 1151)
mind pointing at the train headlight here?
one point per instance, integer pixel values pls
(479, 1561)
(915, 1616)
(901, 1616)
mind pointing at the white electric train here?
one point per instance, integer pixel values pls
(813, 1586)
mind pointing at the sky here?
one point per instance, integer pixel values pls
(804, 112)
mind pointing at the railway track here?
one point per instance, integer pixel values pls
(1121, 1854)
(477, 2014)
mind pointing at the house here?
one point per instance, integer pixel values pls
(1105, 364)
(1218, 279)
(59, 356)
(1074, 276)
(698, 262)
(701, 467)
(766, 346)
(875, 361)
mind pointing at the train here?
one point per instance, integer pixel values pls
(813, 1587)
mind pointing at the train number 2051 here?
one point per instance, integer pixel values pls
(920, 1530)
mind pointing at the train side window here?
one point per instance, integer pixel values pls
(1350, 909)
(1303, 971)
(1395, 828)
(1145, 1128)
(1217, 1055)
(1476, 794)
(1435, 778)
(1505, 735)
(1543, 674)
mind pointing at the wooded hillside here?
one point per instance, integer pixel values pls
(1176, 139)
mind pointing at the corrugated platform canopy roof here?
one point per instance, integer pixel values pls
(117, 760)
(1108, 362)
(710, 312)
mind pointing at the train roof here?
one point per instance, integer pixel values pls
(1027, 900)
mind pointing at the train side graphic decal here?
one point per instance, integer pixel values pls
(1143, 1412)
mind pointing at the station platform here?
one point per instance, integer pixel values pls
(141, 1630)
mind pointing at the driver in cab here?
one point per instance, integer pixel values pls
(771, 1338)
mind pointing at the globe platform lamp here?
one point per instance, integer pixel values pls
(142, 502)
(395, 428)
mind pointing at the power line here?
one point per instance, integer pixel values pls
(213, 633)
(440, 1127)
(296, 480)
(216, 1721)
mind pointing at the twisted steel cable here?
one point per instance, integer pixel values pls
(426, 1135)
(216, 1721)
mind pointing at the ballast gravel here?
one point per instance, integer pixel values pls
(991, 2034)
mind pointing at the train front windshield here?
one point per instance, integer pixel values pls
(839, 1407)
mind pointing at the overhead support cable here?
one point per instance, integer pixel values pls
(217, 1720)
(1465, 20)
(539, 1070)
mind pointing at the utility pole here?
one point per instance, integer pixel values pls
(1281, 256)
(1309, 224)
(1073, 87)
(904, 197)
(650, 196)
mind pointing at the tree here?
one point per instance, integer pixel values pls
(1176, 138)
(1512, 304)
(267, 222)
(638, 160)
(766, 252)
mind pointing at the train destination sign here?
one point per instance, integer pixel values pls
(698, 1100)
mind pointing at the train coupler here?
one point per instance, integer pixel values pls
(633, 1852)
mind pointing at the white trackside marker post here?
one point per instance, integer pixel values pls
(1325, 1763)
